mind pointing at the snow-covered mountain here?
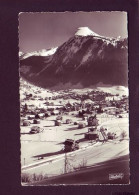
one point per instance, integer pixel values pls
(85, 31)
(86, 59)
(42, 52)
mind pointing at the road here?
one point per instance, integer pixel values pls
(97, 153)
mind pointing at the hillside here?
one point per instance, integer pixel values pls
(85, 59)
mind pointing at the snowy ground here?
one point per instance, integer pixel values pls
(50, 139)
(49, 143)
(97, 153)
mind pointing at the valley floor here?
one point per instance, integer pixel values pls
(43, 153)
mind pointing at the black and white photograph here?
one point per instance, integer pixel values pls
(74, 98)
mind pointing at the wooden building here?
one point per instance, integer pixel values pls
(91, 135)
(71, 145)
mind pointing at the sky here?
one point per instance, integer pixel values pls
(47, 30)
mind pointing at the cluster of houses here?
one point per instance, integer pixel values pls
(86, 106)
(48, 108)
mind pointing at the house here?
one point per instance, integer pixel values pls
(39, 116)
(43, 110)
(35, 129)
(51, 104)
(47, 114)
(68, 121)
(81, 125)
(30, 117)
(36, 121)
(55, 112)
(91, 118)
(81, 113)
(85, 117)
(71, 145)
(29, 95)
(59, 117)
(92, 121)
(92, 135)
(57, 123)
(99, 110)
(47, 103)
(91, 129)
(111, 135)
(26, 123)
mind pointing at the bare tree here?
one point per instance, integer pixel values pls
(123, 135)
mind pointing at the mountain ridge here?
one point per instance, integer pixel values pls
(87, 59)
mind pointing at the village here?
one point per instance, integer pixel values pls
(67, 121)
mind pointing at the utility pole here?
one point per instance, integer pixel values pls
(66, 163)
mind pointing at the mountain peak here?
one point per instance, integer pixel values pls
(85, 31)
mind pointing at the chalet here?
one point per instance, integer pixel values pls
(47, 114)
(91, 129)
(59, 117)
(57, 123)
(25, 108)
(51, 104)
(69, 109)
(36, 121)
(39, 116)
(29, 96)
(68, 121)
(35, 129)
(53, 98)
(43, 110)
(81, 125)
(85, 117)
(99, 110)
(47, 103)
(71, 145)
(55, 112)
(81, 113)
(30, 117)
(51, 109)
(92, 121)
(111, 135)
(26, 123)
(92, 135)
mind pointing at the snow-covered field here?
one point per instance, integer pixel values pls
(97, 153)
(49, 143)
